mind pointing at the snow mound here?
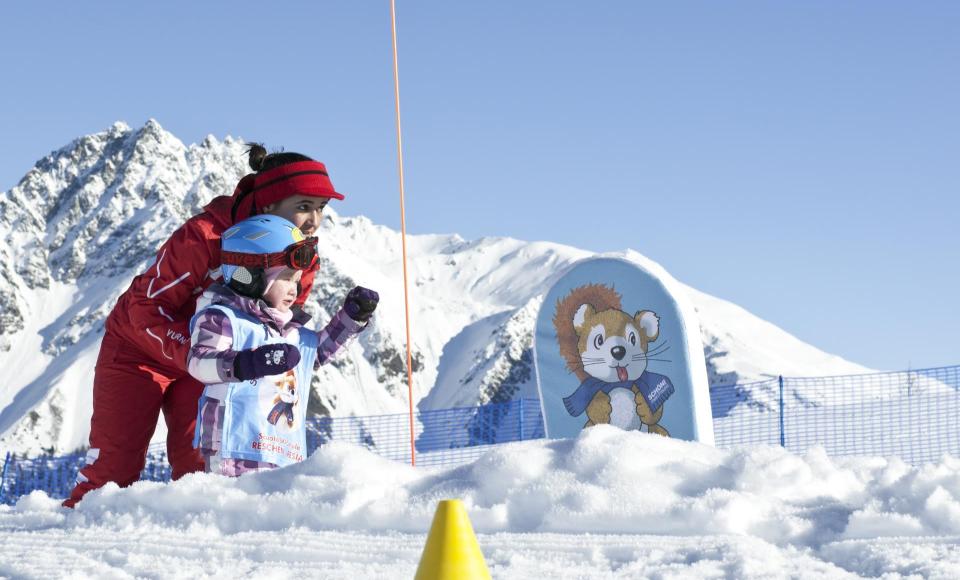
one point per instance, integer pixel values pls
(605, 481)
(609, 503)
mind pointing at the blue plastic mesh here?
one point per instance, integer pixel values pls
(914, 415)
(742, 414)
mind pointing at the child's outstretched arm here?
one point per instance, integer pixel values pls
(348, 322)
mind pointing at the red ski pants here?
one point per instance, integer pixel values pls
(129, 391)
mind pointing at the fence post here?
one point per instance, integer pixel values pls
(782, 438)
(521, 418)
(3, 478)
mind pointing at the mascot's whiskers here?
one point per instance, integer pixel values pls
(608, 350)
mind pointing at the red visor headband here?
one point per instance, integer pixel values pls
(299, 178)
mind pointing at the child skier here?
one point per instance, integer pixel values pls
(253, 353)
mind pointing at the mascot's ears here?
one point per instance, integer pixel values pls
(581, 315)
(649, 322)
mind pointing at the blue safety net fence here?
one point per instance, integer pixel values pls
(914, 415)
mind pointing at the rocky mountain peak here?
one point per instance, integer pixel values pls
(91, 215)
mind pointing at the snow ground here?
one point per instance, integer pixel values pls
(609, 504)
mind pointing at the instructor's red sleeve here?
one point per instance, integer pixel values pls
(155, 311)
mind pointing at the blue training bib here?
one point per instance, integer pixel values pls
(264, 419)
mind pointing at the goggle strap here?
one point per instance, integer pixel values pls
(289, 257)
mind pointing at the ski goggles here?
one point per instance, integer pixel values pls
(299, 256)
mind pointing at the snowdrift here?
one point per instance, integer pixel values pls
(608, 501)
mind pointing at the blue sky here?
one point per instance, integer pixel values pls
(801, 159)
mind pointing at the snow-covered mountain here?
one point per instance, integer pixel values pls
(91, 215)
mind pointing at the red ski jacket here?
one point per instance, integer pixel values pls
(154, 312)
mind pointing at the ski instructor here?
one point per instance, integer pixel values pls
(141, 368)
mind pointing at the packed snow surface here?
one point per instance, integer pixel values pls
(610, 504)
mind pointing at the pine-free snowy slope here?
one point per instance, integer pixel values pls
(89, 216)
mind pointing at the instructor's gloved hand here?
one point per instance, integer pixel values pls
(360, 303)
(266, 360)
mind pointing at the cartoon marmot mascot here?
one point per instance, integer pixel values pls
(285, 399)
(607, 349)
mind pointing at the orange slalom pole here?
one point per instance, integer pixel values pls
(403, 226)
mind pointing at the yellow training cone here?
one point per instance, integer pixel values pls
(452, 551)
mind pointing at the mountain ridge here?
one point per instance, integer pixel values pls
(89, 216)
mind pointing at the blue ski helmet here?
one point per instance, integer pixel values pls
(260, 234)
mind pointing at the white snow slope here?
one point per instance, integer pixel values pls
(91, 215)
(610, 504)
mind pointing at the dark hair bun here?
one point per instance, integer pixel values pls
(256, 154)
